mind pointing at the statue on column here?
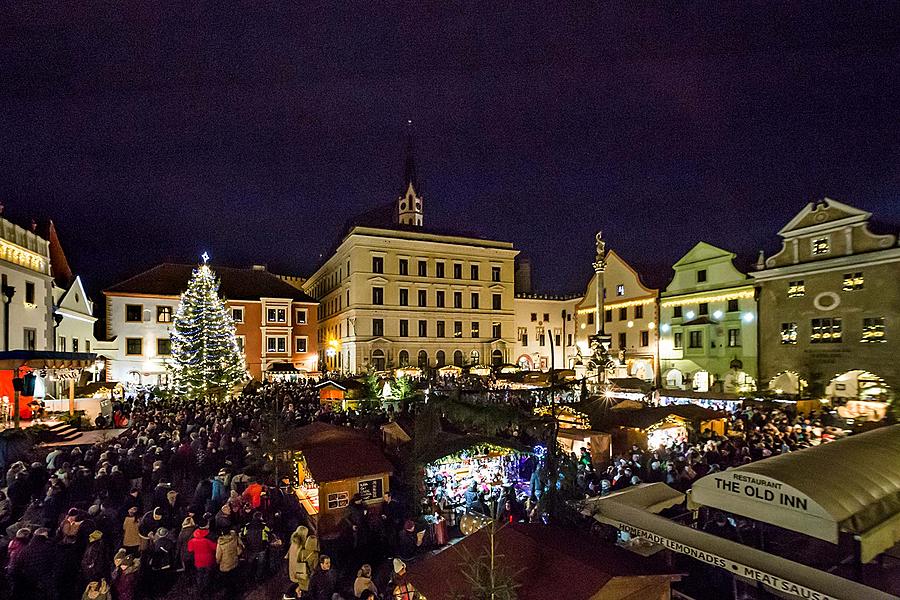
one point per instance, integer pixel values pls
(600, 257)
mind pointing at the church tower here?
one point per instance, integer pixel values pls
(410, 203)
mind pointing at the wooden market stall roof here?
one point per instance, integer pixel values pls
(850, 485)
(642, 418)
(551, 562)
(334, 452)
(45, 359)
(446, 444)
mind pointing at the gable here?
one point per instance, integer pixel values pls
(702, 252)
(81, 304)
(823, 214)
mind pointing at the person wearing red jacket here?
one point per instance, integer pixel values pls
(203, 549)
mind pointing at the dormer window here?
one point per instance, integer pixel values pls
(820, 246)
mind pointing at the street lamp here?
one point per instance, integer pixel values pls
(8, 292)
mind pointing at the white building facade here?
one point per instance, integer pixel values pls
(406, 297)
(545, 331)
(26, 285)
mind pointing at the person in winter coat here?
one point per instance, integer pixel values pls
(323, 583)
(224, 519)
(256, 537)
(161, 558)
(188, 527)
(29, 572)
(150, 522)
(16, 545)
(131, 536)
(203, 551)
(95, 561)
(228, 552)
(125, 575)
(364, 582)
(303, 556)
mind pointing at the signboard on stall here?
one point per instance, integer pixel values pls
(371, 489)
(765, 499)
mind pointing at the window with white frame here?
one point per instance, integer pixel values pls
(301, 315)
(276, 315)
(237, 314)
(276, 343)
(300, 344)
(241, 340)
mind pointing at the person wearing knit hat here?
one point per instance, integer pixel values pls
(399, 566)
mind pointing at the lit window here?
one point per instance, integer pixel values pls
(276, 344)
(276, 315)
(821, 246)
(796, 289)
(873, 330)
(734, 338)
(163, 314)
(789, 334)
(495, 331)
(853, 281)
(825, 331)
(475, 329)
(620, 290)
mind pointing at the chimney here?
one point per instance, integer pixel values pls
(523, 276)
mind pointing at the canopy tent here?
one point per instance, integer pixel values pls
(851, 485)
(652, 497)
(450, 370)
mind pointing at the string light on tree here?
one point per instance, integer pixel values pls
(206, 357)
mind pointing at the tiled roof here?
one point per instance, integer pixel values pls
(170, 279)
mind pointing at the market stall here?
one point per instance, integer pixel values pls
(468, 463)
(598, 444)
(566, 416)
(331, 465)
(650, 427)
(450, 371)
(340, 395)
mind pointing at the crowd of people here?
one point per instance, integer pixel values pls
(753, 434)
(185, 497)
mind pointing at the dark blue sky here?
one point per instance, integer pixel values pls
(255, 131)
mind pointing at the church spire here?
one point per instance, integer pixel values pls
(409, 169)
(410, 203)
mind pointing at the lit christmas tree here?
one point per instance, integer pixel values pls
(206, 358)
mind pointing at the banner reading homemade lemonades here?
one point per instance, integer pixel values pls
(735, 568)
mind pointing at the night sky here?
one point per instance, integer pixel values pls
(256, 132)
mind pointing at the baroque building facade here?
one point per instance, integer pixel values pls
(545, 331)
(630, 317)
(830, 307)
(708, 324)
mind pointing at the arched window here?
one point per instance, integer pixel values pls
(458, 358)
(440, 358)
(423, 359)
(474, 356)
(403, 358)
(496, 358)
(378, 360)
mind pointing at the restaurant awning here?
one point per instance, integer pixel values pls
(44, 359)
(652, 497)
(787, 578)
(850, 485)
